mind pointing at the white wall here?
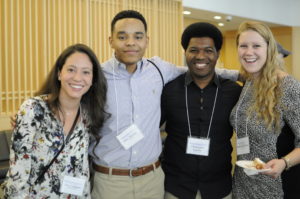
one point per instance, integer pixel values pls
(284, 12)
(296, 52)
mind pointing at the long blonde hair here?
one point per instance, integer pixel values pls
(266, 86)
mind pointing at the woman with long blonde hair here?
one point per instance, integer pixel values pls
(270, 99)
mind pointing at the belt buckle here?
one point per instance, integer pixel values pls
(130, 172)
(136, 169)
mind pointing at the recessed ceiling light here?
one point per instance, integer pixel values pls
(217, 17)
(186, 12)
(220, 24)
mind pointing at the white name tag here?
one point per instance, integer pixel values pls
(72, 185)
(130, 136)
(198, 146)
(242, 146)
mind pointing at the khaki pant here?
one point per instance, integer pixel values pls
(198, 196)
(148, 186)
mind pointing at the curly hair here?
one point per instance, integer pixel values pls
(202, 29)
(93, 101)
(267, 92)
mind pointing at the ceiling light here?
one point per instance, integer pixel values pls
(220, 24)
(217, 17)
(228, 18)
(186, 12)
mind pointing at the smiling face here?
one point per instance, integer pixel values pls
(252, 51)
(75, 76)
(129, 40)
(201, 57)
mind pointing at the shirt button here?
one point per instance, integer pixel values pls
(201, 107)
(134, 152)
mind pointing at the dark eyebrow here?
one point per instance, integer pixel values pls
(123, 32)
(74, 66)
(205, 47)
(71, 65)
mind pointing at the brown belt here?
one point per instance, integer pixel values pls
(127, 172)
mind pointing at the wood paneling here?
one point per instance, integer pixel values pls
(34, 32)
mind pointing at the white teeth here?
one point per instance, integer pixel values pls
(76, 86)
(200, 65)
(250, 60)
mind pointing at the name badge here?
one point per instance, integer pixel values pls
(72, 185)
(197, 146)
(130, 136)
(242, 146)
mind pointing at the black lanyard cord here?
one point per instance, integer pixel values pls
(45, 169)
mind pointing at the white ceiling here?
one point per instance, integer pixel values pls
(285, 12)
(207, 16)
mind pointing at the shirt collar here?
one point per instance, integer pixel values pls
(118, 65)
(189, 79)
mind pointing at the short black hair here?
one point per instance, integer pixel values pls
(128, 14)
(202, 29)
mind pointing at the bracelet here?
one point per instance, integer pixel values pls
(287, 163)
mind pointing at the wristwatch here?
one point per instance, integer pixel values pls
(287, 162)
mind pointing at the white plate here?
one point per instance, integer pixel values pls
(249, 164)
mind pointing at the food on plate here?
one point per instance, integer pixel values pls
(253, 167)
(258, 164)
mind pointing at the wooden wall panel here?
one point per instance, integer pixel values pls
(34, 32)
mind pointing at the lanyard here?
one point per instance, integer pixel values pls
(238, 107)
(73, 126)
(115, 64)
(187, 111)
(116, 97)
(45, 169)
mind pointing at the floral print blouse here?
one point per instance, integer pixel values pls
(36, 139)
